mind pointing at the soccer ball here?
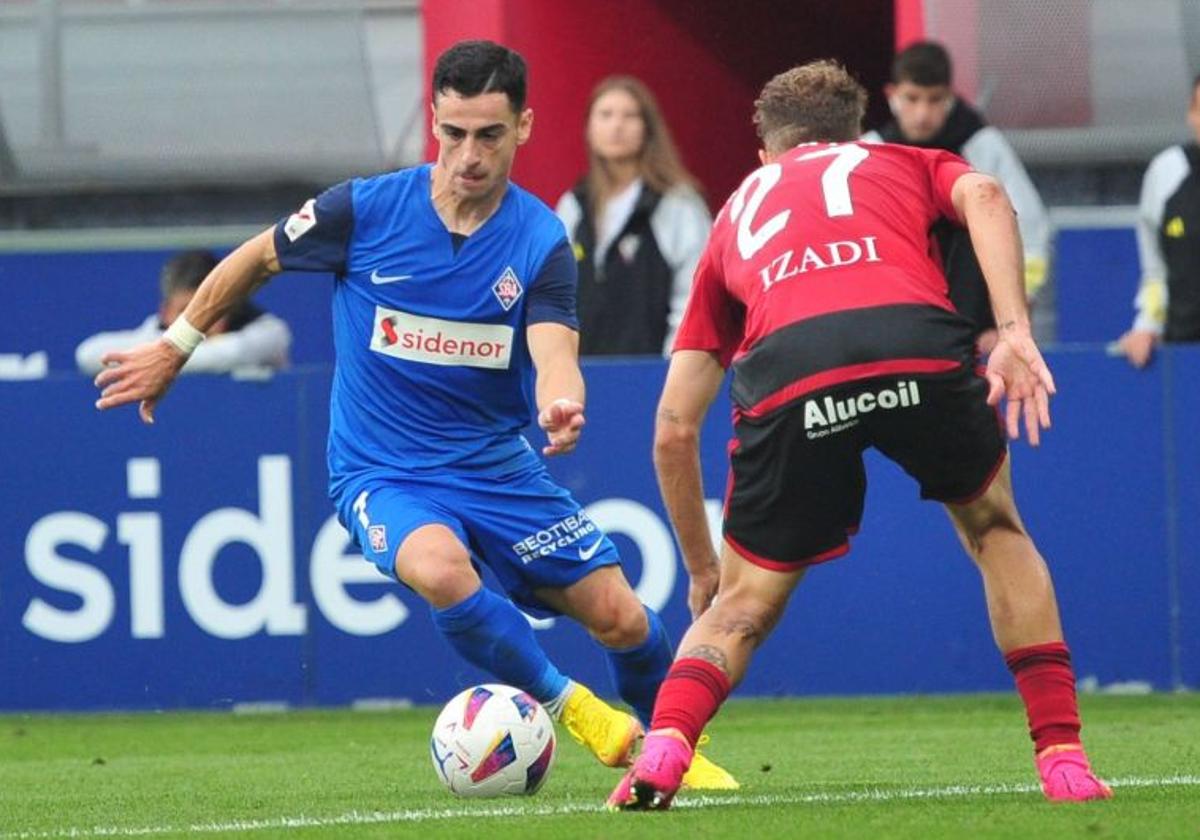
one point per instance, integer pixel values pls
(493, 740)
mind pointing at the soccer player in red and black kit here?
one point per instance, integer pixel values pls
(818, 285)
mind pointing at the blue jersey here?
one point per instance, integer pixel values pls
(433, 369)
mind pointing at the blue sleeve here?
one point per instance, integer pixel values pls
(317, 236)
(552, 295)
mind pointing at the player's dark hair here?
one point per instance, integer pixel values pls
(185, 271)
(815, 102)
(925, 63)
(471, 68)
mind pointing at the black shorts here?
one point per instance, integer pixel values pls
(797, 481)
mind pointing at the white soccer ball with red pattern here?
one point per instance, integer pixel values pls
(493, 740)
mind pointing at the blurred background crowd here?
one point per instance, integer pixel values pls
(156, 126)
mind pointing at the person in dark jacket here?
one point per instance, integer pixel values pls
(637, 224)
(1168, 234)
(927, 113)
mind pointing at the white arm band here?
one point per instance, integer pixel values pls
(183, 335)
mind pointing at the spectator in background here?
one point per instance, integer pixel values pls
(1168, 232)
(246, 337)
(637, 225)
(927, 113)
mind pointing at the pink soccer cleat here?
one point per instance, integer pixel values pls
(655, 777)
(1067, 776)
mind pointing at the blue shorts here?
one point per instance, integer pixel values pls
(529, 531)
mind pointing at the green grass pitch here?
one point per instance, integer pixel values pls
(919, 767)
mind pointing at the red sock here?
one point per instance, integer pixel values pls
(1046, 682)
(690, 695)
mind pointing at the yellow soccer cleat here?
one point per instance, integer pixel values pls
(609, 733)
(705, 774)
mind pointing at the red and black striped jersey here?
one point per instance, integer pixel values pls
(820, 270)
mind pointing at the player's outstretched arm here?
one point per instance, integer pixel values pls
(1016, 370)
(554, 349)
(693, 381)
(143, 373)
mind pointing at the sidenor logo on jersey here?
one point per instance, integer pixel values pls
(829, 415)
(440, 342)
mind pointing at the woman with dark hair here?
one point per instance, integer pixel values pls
(637, 224)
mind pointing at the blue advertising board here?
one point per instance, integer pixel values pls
(197, 562)
(1096, 275)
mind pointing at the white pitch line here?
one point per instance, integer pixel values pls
(689, 801)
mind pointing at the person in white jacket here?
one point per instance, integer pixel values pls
(246, 338)
(927, 113)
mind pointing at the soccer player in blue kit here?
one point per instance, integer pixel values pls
(454, 308)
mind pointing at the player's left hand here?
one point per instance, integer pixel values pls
(563, 421)
(142, 375)
(1017, 373)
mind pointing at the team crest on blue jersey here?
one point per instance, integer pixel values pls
(507, 288)
(377, 534)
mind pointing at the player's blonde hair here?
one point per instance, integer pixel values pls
(818, 101)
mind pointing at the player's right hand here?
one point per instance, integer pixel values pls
(141, 374)
(1138, 346)
(562, 421)
(1017, 373)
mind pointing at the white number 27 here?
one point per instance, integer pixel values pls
(835, 185)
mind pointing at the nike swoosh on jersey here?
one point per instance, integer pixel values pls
(379, 279)
(590, 551)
